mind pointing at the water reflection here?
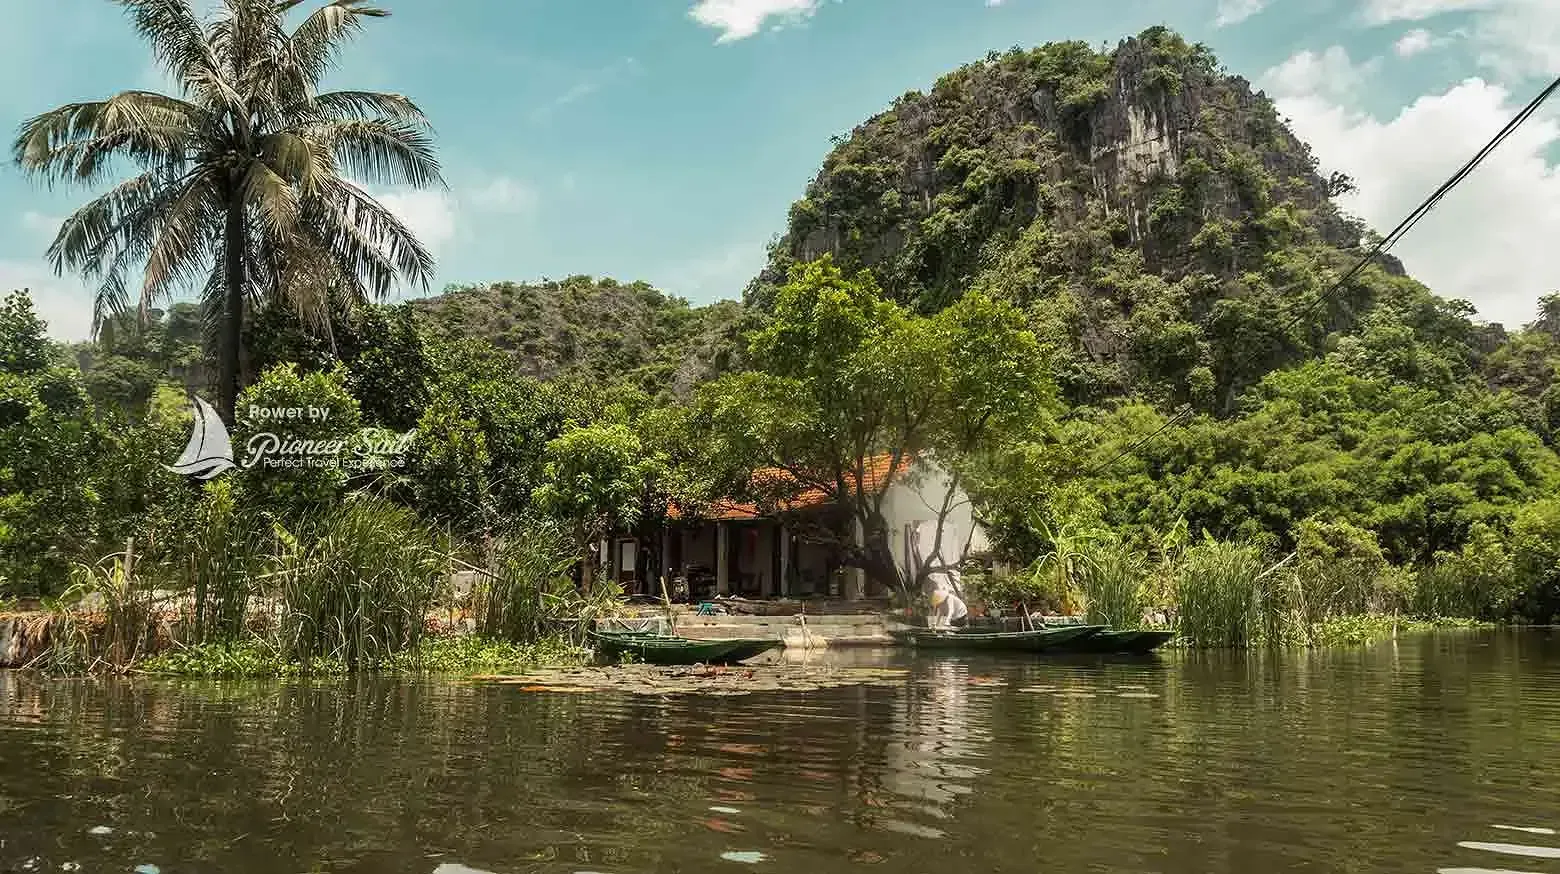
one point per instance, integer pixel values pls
(1360, 761)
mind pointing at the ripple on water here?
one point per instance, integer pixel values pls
(1480, 871)
(1513, 849)
(1239, 760)
(1530, 829)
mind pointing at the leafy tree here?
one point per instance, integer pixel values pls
(480, 441)
(597, 478)
(852, 393)
(294, 440)
(24, 347)
(242, 182)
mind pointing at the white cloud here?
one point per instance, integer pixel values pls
(588, 84)
(719, 275)
(1414, 42)
(429, 214)
(740, 19)
(42, 225)
(503, 194)
(1235, 11)
(1513, 38)
(63, 302)
(1330, 72)
(1386, 11)
(1489, 241)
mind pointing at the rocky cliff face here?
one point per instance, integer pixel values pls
(1098, 187)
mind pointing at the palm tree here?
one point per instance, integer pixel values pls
(242, 181)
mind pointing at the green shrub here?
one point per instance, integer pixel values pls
(1479, 581)
(1535, 551)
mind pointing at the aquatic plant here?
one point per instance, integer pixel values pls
(453, 654)
(1227, 595)
(523, 588)
(1111, 576)
(357, 582)
(220, 566)
(251, 657)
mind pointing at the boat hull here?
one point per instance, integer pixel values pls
(1038, 640)
(658, 649)
(1113, 641)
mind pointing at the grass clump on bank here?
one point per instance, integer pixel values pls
(351, 588)
(1335, 588)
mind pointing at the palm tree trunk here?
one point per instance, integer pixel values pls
(233, 316)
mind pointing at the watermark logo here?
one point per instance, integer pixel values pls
(209, 452)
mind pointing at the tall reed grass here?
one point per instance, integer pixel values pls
(357, 582)
(1227, 595)
(223, 560)
(525, 591)
(106, 617)
(1111, 577)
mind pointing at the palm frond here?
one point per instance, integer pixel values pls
(111, 299)
(344, 105)
(175, 34)
(369, 244)
(302, 162)
(272, 202)
(382, 151)
(119, 221)
(315, 43)
(187, 230)
(79, 141)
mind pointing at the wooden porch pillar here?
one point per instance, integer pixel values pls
(722, 559)
(665, 583)
(855, 578)
(770, 584)
(784, 533)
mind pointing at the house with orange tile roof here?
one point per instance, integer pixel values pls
(799, 544)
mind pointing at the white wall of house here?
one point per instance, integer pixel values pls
(912, 504)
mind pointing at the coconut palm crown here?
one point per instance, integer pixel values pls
(242, 183)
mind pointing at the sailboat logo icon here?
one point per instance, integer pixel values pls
(209, 452)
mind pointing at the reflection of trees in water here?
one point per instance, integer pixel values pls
(936, 735)
(249, 777)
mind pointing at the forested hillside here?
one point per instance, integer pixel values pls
(597, 328)
(1101, 285)
(1175, 243)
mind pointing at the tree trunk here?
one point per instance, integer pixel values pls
(233, 312)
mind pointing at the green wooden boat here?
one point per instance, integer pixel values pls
(748, 647)
(666, 649)
(1036, 640)
(1119, 641)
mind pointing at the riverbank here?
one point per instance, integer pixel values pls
(40, 641)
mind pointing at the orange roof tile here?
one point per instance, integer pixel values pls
(727, 509)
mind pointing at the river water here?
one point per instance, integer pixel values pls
(1435, 753)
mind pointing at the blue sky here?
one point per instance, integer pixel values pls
(664, 140)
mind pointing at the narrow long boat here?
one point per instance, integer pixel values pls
(1037, 640)
(1119, 641)
(666, 649)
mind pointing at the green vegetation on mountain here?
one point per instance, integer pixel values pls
(1097, 286)
(596, 329)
